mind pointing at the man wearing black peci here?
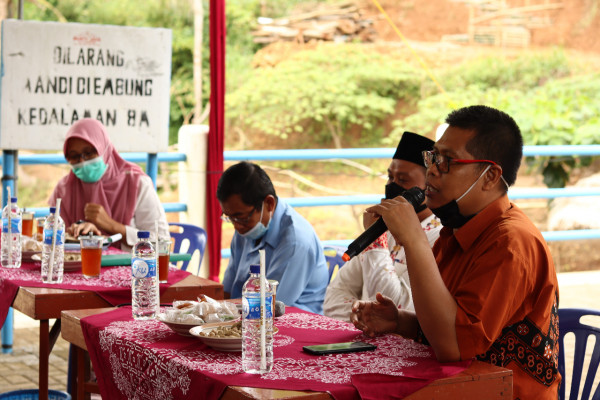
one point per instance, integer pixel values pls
(382, 266)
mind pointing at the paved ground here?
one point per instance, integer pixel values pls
(19, 370)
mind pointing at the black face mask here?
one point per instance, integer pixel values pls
(450, 215)
(393, 190)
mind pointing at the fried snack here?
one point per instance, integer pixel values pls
(72, 256)
(231, 331)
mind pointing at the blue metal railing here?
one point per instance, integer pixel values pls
(369, 153)
(384, 152)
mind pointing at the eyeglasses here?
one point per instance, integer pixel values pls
(75, 158)
(443, 162)
(238, 220)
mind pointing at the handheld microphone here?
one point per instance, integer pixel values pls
(415, 196)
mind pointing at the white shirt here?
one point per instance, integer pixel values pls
(147, 210)
(372, 271)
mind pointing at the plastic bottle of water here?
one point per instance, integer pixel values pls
(56, 274)
(11, 236)
(144, 283)
(251, 332)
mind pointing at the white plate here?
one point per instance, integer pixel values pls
(28, 256)
(180, 328)
(69, 266)
(107, 241)
(222, 344)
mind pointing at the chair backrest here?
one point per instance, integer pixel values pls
(188, 238)
(333, 255)
(569, 322)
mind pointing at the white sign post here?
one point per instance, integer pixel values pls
(54, 74)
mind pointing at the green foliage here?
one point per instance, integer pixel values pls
(323, 92)
(522, 73)
(561, 112)
(537, 90)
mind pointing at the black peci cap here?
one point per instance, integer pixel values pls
(411, 146)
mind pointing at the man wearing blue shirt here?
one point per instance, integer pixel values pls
(293, 252)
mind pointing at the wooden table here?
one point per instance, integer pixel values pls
(44, 304)
(480, 381)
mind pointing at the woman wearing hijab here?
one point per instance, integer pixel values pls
(103, 193)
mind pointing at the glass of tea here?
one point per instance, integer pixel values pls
(91, 255)
(39, 222)
(164, 252)
(27, 220)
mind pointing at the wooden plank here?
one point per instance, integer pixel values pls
(47, 303)
(246, 393)
(71, 324)
(517, 10)
(44, 303)
(480, 381)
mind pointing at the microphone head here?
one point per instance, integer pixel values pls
(415, 196)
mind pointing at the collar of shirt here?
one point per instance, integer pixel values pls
(272, 237)
(468, 233)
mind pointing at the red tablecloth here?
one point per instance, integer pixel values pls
(146, 360)
(113, 285)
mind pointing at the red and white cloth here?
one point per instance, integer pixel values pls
(146, 360)
(113, 285)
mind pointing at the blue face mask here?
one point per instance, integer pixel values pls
(259, 230)
(90, 171)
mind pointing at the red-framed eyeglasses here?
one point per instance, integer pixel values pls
(443, 162)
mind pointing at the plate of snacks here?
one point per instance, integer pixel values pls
(29, 248)
(222, 336)
(72, 260)
(185, 315)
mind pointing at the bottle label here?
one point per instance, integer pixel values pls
(60, 237)
(143, 268)
(251, 307)
(15, 224)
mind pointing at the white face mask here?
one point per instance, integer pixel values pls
(449, 214)
(259, 230)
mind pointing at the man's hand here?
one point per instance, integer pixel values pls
(84, 228)
(369, 219)
(375, 317)
(400, 218)
(96, 214)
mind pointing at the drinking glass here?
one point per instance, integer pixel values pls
(164, 255)
(39, 222)
(274, 283)
(91, 255)
(27, 223)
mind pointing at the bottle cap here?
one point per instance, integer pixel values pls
(52, 210)
(255, 269)
(13, 200)
(143, 234)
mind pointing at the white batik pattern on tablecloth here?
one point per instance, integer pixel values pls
(312, 321)
(392, 355)
(109, 277)
(139, 372)
(164, 370)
